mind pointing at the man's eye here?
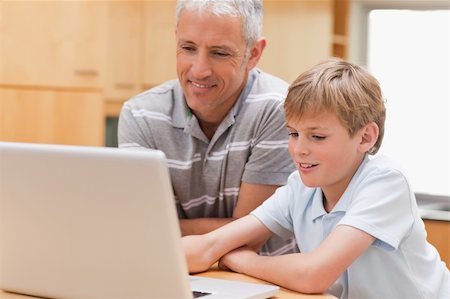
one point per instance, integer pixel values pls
(293, 134)
(187, 48)
(221, 54)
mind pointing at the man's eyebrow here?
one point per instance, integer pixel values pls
(185, 41)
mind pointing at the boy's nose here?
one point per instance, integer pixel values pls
(301, 147)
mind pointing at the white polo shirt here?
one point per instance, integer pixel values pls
(399, 264)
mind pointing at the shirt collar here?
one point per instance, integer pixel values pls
(344, 202)
(317, 208)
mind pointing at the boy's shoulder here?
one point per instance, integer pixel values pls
(379, 170)
(382, 163)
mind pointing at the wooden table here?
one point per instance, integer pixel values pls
(214, 272)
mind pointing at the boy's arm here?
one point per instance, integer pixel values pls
(312, 272)
(201, 251)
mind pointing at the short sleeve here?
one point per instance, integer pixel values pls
(132, 130)
(275, 212)
(269, 161)
(382, 207)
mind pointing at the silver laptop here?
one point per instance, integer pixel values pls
(91, 222)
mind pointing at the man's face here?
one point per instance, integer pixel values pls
(211, 63)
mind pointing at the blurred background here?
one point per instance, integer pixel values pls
(66, 67)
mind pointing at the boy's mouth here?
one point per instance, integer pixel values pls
(307, 165)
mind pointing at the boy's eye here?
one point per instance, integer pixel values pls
(317, 137)
(293, 134)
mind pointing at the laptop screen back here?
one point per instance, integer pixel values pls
(79, 222)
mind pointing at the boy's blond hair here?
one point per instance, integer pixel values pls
(340, 87)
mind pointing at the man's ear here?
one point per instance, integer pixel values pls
(369, 136)
(256, 52)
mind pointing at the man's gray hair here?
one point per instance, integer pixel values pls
(250, 11)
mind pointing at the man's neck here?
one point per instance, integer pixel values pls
(209, 128)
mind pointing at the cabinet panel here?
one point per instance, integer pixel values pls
(60, 117)
(124, 50)
(53, 43)
(299, 35)
(438, 234)
(159, 42)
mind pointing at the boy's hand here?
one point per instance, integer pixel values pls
(196, 251)
(237, 259)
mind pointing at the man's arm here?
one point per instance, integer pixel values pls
(250, 197)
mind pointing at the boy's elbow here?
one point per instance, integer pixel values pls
(315, 285)
(312, 281)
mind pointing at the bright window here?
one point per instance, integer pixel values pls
(408, 51)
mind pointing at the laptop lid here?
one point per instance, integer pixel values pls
(92, 222)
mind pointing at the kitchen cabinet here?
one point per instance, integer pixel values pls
(124, 50)
(53, 43)
(159, 44)
(298, 36)
(46, 116)
(438, 234)
(341, 16)
(55, 53)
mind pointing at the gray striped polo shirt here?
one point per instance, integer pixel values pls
(250, 145)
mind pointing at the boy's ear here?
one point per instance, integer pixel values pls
(369, 136)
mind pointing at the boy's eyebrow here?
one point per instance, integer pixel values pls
(309, 128)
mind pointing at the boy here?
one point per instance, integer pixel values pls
(355, 218)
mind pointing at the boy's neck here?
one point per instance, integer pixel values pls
(332, 195)
(328, 205)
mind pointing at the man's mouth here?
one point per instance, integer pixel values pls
(199, 85)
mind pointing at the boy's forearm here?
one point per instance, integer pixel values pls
(202, 251)
(198, 251)
(291, 271)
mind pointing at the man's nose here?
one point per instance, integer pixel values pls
(201, 66)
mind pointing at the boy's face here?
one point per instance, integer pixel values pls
(324, 153)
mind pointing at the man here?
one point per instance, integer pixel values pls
(221, 124)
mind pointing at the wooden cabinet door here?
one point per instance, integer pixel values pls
(124, 50)
(43, 116)
(159, 42)
(438, 234)
(299, 35)
(53, 43)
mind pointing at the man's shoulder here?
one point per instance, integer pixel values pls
(162, 95)
(266, 82)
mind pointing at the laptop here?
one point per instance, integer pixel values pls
(94, 222)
